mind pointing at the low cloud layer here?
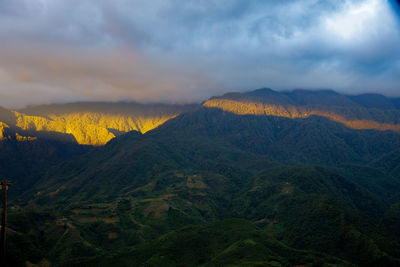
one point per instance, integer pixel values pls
(182, 51)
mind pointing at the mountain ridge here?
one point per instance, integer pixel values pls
(356, 112)
(96, 123)
(88, 123)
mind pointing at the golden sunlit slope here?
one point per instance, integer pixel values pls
(94, 123)
(90, 128)
(3, 126)
(335, 107)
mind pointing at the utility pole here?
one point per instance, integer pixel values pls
(4, 186)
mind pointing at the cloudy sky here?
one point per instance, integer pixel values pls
(188, 50)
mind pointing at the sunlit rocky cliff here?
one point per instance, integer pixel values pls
(86, 123)
(3, 126)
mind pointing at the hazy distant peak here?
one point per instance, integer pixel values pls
(374, 101)
(265, 95)
(303, 97)
(262, 91)
(319, 97)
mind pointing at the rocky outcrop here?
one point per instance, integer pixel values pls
(3, 134)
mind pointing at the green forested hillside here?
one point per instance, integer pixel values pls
(229, 242)
(306, 191)
(25, 162)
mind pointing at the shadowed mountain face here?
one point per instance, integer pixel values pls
(86, 123)
(369, 111)
(209, 165)
(308, 189)
(208, 137)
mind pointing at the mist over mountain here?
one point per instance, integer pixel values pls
(166, 50)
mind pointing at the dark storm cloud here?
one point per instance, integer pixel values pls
(173, 50)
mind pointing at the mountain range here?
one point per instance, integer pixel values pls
(85, 123)
(263, 178)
